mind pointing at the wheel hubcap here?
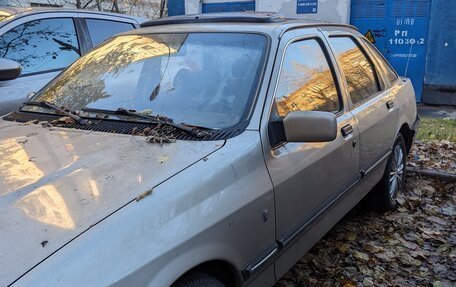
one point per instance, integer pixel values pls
(397, 172)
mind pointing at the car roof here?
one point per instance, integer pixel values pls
(262, 22)
(10, 13)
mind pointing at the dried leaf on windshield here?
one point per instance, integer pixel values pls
(64, 120)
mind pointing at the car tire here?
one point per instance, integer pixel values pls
(384, 196)
(198, 279)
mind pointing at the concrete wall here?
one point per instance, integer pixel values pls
(440, 75)
(193, 6)
(221, 1)
(328, 10)
(148, 9)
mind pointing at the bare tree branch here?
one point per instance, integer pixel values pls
(87, 4)
(162, 7)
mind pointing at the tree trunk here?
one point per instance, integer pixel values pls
(115, 6)
(162, 7)
(99, 5)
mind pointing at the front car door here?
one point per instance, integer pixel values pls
(44, 44)
(372, 102)
(307, 177)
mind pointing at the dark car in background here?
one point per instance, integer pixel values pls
(44, 41)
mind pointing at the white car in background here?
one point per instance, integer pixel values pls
(44, 41)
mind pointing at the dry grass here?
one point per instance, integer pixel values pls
(437, 129)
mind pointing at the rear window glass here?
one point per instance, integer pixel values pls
(101, 30)
(383, 64)
(358, 71)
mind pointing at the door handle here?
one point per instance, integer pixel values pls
(346, 130)
(389, 104)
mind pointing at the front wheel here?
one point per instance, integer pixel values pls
(384, 195)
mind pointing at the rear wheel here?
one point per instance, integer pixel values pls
(384, 195)
(198, 279)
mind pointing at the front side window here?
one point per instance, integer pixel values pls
(201, 79)
(358, 71)
(101, 30)
(306, 82)
(41, 45)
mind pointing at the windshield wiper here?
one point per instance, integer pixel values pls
(63, 111)
(152, 119)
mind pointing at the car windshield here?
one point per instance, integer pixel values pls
(201, 79)
(5, 15)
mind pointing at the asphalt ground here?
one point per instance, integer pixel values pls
(427, 111)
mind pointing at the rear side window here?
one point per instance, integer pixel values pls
(101, 30)
(306, 82)
(41, 45)
(383, 64)
(359, 72)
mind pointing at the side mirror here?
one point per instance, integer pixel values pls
(9, 69)
(310, 126)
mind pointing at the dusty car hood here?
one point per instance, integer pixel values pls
(57, 183)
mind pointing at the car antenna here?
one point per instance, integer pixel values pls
(408, 60)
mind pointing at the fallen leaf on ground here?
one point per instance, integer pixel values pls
(412, 246)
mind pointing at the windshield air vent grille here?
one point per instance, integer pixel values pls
(139, 129)
(124, 127)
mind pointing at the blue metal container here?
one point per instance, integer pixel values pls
(440, 77)
(399, 29)
(176, 7)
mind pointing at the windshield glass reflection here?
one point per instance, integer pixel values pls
(203, 79)
(4, 15)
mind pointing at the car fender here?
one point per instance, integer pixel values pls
(180, 224)
(405, 102)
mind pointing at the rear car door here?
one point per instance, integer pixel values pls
(372, 102)
(307, 177)
(44, 44)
